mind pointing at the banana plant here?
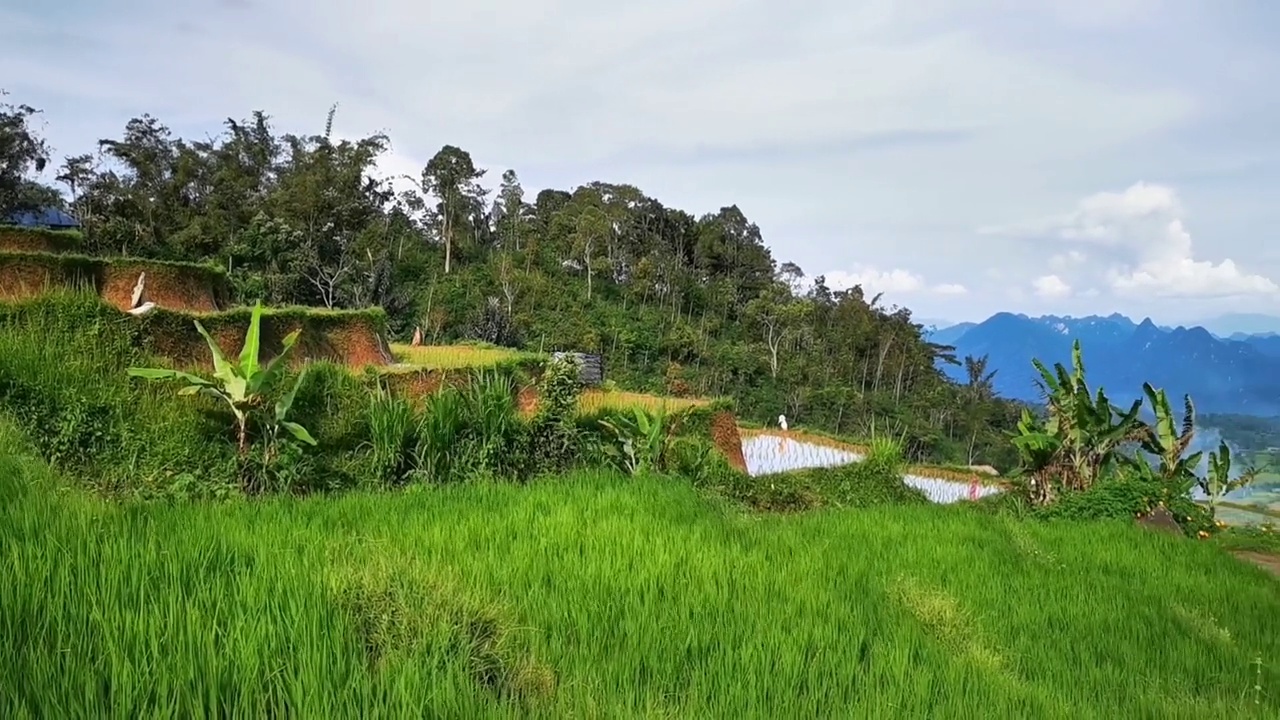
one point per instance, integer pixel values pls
(1218, 482)
(1036, 443)
(240, 384)
(643, 443)
(1166, 440)
(1088, 430)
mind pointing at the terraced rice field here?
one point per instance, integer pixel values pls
(452, 357)
(1254, 505)
(596, 400)
(949, 491)
(768, 452)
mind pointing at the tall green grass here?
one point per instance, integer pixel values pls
(602, 596)
(463, 433)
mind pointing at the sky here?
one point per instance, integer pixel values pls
(963, 157)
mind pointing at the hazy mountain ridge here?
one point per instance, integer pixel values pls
(1237, 325)
(1222, 375)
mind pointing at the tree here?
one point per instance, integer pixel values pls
(590, 230)
(510, 213)
(22, 152)
(619, 204)
(326, 194)
(143, 188)
(778, 316)
(979, 380)
(976, 402)
(730, 246)
(299, 219)
(453, 179)
(792, 276)
(77, 173)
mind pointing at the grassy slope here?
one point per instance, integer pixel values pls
(594, 596)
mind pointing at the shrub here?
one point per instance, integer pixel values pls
(473, 430)
(554, 441)
(391, 436)
(698, 460)
(1123, 495)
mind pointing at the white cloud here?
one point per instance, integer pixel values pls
(896, 281)
(1143, 247)
(1069, 259)
(874, 281)
(1185, 277)
(1051, 287)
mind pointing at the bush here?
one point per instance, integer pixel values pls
(1124, 496)
(554, 442)
(63, 362)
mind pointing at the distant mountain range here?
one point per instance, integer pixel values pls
(1241, 324)
(1235, 374)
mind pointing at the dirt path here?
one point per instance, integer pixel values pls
(1268, 562)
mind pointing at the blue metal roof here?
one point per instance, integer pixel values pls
(49, 217)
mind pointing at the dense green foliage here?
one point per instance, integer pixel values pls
(240, 386)
(23, 152)
(677, 303)
(1088, 459)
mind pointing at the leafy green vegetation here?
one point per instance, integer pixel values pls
(1087, 458)
(1081, 436)
(1220, 480)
